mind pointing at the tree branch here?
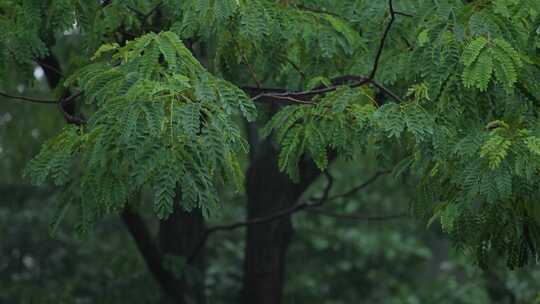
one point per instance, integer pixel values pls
(297, 69)
(151, 253)
(53, 73)
(63, 104)
(270, 218)
(29, 99)
(403, 14)
(358, 217)
(386, 91)
(43, 63)
(359, 187)
(317, 11)
(250, 68)
(142, 16)
(304, 97)
(383, 40)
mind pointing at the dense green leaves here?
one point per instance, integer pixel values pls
(153, 122)
(455, 101)
(467, 125)
(482, 61)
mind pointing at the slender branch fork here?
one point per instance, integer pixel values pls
(270, 218)
(311, 205)
(304, 97)
(62, 102)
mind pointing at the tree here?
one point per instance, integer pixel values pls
(163, 99)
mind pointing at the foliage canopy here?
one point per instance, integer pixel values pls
(446, 91)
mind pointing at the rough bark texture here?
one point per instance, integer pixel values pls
(269, 191)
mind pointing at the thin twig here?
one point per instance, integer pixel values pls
(250, 68)
(358, 217)
(359, 187)
(289, 98)
(386, 91)
(266, 219)
(62, 102)
(277, 95)
(299, 97)
(252, 72)
(297, 69)
(29, 99)
(79, 121)
(318, 11)
(383, 40)
(403, 14)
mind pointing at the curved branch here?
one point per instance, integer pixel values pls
(359, 187)
(386, 91)
(383, 40)
(70, 118)
(151, 253)
(261, 220)
(304, 97)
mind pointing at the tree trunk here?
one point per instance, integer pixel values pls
(178, 237)
(269, 191)
(165, 257)
(496, 288)
(153, 256)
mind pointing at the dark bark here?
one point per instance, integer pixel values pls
(269, 191)
(152, 256)
(496, 288)
(53, 73)
(52, 70)
(178, 236)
